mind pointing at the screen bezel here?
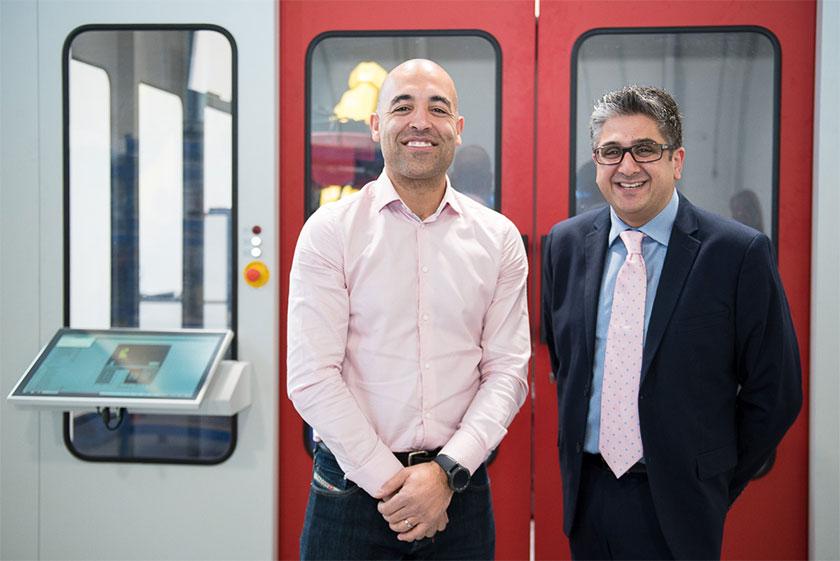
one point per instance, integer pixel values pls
(135, 402)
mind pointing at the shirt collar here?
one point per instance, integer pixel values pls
(385, 194)
(658, 228)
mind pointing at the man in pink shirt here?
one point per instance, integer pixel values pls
(408, 343)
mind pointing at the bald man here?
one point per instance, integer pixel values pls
(408, 343)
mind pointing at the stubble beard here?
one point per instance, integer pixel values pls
(419, 175)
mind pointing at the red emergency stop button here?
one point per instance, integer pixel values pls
(256, 273)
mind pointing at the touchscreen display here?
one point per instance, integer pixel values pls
(125, 364)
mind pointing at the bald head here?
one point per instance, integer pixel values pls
(417, 125)
(414, 71)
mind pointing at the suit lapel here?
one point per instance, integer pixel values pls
(682, 250)
(595, 250)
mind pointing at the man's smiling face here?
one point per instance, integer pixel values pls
(417, 122)
(637, 192)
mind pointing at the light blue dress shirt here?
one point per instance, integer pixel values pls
(654, 247)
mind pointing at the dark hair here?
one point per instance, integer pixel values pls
(639, 100)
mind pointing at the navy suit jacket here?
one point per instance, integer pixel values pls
(721, 379)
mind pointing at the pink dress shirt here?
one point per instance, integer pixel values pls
(406, 334)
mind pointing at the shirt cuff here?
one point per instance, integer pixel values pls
(375, 472)
(465, 450)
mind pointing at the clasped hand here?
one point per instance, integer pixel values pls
(415, 502)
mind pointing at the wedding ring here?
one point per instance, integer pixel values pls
(408, 524)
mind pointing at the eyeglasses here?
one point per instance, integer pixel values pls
(643, 153)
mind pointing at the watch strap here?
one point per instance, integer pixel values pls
(457, 475)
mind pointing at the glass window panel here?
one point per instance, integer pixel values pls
(215, 314)
(159, 314)
(161, 159)
(150, 218)
(218, 173)
(725, 84)
(217, 287)
(90, 184)
(345, 75)
(153, 438)
(211, 60)
(218, 159)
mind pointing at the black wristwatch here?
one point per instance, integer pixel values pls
(458, 475)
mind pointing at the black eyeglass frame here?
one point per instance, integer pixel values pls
(596, 152)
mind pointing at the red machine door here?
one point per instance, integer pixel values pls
(743, 75)
(331, 54)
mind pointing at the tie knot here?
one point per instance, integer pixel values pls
(632, 241)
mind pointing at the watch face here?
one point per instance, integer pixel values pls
(460, 479)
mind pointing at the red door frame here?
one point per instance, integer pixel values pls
(511, 23)
(770, 520)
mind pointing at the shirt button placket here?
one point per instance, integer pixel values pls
(422, 330)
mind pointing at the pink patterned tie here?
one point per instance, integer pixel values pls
(620, 437)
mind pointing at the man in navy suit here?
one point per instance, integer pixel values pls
(677, 365)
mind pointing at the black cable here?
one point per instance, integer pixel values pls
(107, 417)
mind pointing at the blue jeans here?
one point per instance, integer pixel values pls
(342, 521)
